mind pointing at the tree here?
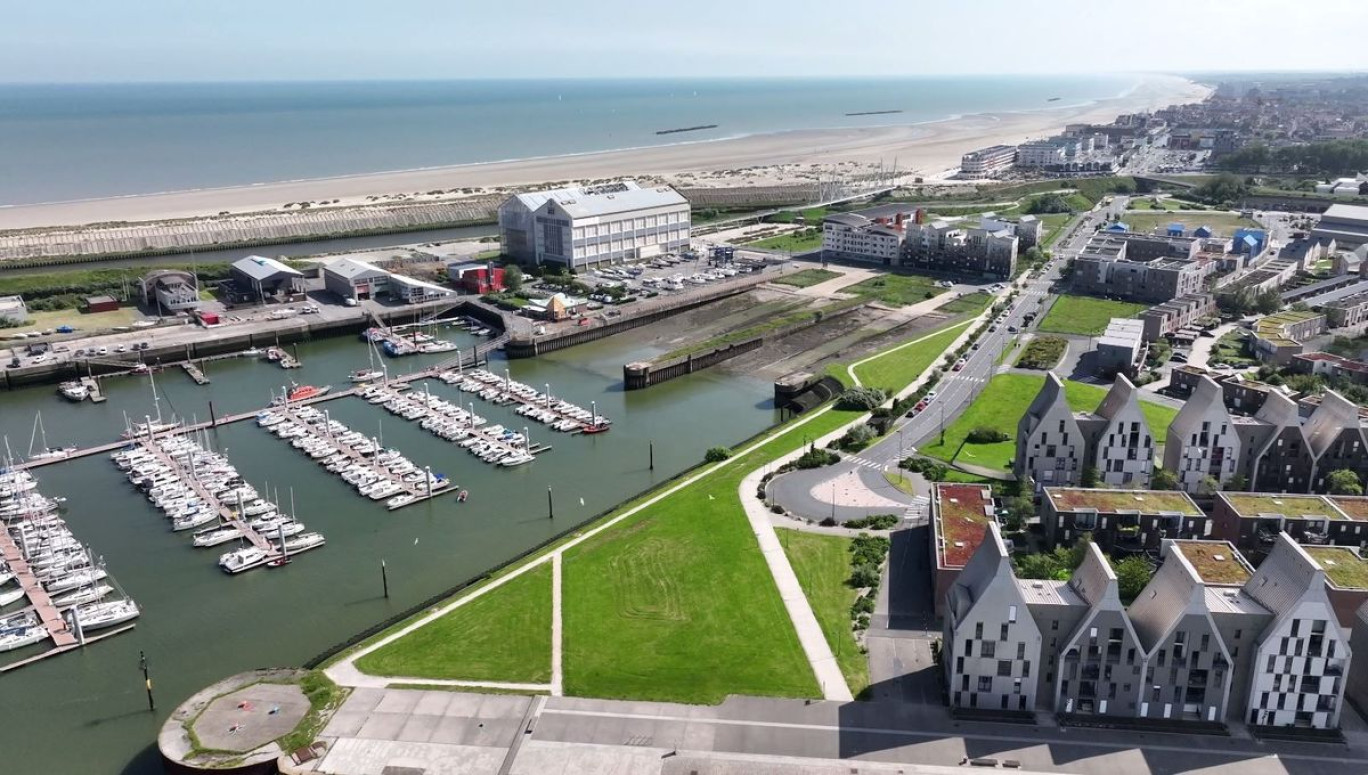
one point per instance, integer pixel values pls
(1090, 477)
(1344, 482)
(1208, 486)
(1222, 189)
(861, 398)
(513, 277)
(716, 454)
(1132, 574)
(1163, 479)
(1268, 302)
(1237, 483)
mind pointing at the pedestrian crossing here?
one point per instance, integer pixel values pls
(864, 461)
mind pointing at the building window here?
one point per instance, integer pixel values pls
(1011, 614)
(1004, 667)
(1002, 634)
(978, 631)
(985, 683)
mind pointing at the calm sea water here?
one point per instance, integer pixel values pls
(61, 142)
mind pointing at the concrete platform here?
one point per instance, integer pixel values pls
(251, 717)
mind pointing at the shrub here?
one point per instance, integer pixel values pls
(865, 576)
(861, 398)
(716, 454)
(874, 522)
(864, 604)
(816, 458)
(857, 438)
(984, 435)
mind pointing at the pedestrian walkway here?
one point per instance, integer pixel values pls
(863, 461)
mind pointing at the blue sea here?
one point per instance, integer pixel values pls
(77, 141)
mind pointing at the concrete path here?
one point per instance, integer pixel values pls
(1201, 349)
(557, 630)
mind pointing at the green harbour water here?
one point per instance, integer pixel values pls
(85, 711)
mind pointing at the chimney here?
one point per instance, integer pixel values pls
(899, 219)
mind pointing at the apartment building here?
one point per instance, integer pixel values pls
(951, 247)
(987, 162)
(959, 515)
(1121, 350)
(1139, 267)
(1120, 520)
(1278, 337)
(1241, 394)
(1119, 444)
(1182, 313)
(1042, 154)
(1252, 521)
(853, 236)
(1348, 312)
(1201, 443)
(585, 226)
(1050, 447)
(1209, 639)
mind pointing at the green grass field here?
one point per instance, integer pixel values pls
(1002, 403)
(822, 564)
(797, 242)
(807, 278)
(1222, 223)
(504, 635)
(896, 370)
(973, 303)
(1042, 352)
(898, 290)
(99, 321)
(1054, 227)
(675, 603)
(1085, 315)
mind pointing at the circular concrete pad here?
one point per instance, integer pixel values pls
(251, 717)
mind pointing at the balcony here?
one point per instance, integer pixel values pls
(1315, 537)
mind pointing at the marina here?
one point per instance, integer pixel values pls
(543, 407)
(491, 444)
(290, 614)
(375, 472)
(63, 582)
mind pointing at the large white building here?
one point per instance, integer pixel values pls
(591, 225)
(848, 235)
(1045, 153)
(1202, 441)
(986, 162)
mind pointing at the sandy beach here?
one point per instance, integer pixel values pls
(926, 150)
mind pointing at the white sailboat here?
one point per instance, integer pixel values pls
(46, 453)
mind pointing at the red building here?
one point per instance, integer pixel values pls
(101, 304)
(477, 278)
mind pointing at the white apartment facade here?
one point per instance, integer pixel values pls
(1040, 154)
(1124, 449)
(1202, 441)
(592, 225)
(848, 235)
(986, 162)
(1051, 448)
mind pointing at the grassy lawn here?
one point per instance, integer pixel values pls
(1230, 348)
(822, 564)
(797, 242)
(1043, 352)
(896, 370)
(807, 278)
(675, 603)
(898, 290)
(1147, 203)
(1054, 227)
(973, 303)
(40, 321)
(1002, 403)
(1086, 315)
(899, 479)
(1222, 223)
(504, 635)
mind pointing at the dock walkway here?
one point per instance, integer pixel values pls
(38, 597)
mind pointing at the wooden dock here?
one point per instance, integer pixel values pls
(38, 597)
(52, 652)
(194, 372)
(227, 514)
(476, 430)
(93, 385)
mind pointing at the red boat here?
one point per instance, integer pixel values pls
(301, 393)
(599, 428)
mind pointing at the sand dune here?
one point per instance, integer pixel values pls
(927, 149)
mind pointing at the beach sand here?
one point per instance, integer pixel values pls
(926, 150)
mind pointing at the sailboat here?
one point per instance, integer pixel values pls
(47, 453)
(367, 374)
(150, 427)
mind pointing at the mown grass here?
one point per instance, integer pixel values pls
(1085, 315)
(896, 370)
(807, 278)
(972, 302)
(797, 242)
(822, 564)
(1000, 406)
(1222, 223)
(676, 604)
(504, 635)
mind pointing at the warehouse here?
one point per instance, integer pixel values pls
(591, 225)
(257, 278)
(1347, 225)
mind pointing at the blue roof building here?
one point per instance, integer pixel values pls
(1202, 232)
(1251, 241)
(1119, 227)
(1175, 229)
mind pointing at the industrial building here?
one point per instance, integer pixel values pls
(258, 278)
(590, 225)
(350, 278)
(1347, 225)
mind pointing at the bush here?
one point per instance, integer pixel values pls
(929, 469)
(861, 399)
(816, 458)
(874, 522)
(716, 455)
(857, 438)
(864, 604)
(865, 576)
(985, 435)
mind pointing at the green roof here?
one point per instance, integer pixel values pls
(1216, 562)
(1342, 565)
(1111, 501)
(1354, 506)
(961, 520)
(1254, 505)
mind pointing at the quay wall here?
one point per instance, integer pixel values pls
(637, 376)
(215, 341)
(522, 346)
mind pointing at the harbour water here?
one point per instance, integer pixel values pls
(85, 712)
(77, 141)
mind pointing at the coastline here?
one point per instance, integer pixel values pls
(925, 149)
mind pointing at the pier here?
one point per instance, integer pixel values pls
(194, 373)
(38, 597)
(470, 425)
(93, 385)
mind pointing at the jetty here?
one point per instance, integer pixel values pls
(92, 385)
(453, 423)
(38, 597)
(194, 372)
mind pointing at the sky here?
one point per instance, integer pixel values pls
(250, 40)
